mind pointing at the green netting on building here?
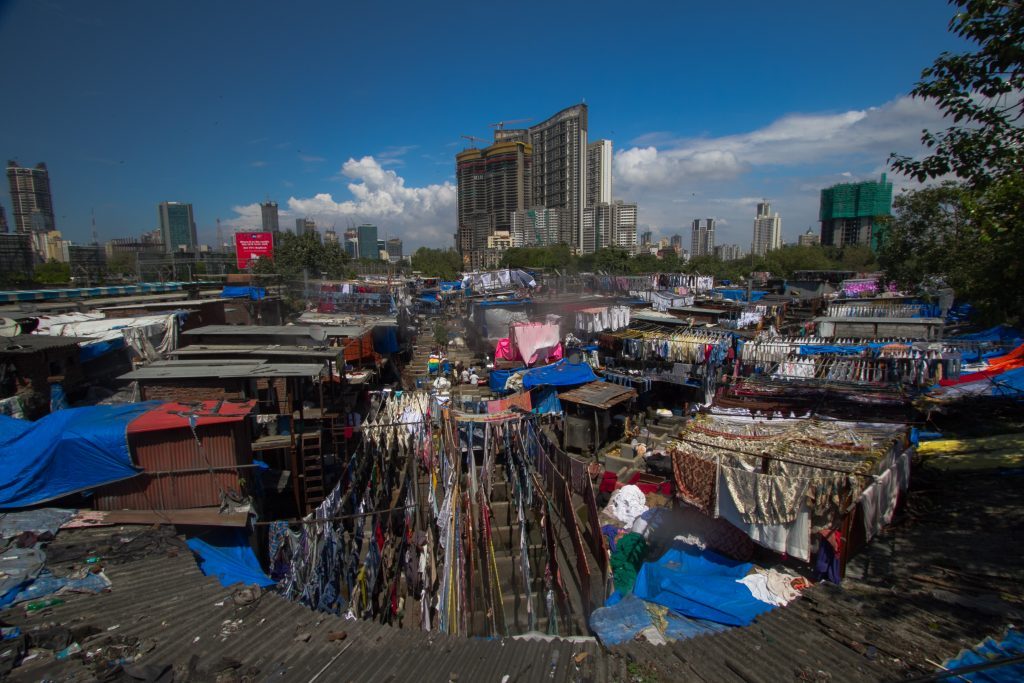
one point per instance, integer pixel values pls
(856, 200)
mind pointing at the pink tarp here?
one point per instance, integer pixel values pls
(534, 341)
(505, 351)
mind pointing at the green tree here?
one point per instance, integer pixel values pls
(296, 255)
(981, 92)
(53, 272)
(441, 263)
(944, 233)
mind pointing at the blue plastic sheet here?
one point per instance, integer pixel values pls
(88, 352)
(450, 286)
(847, 349)
(65, 452)
(741, 294)
(1010, 646)
(243, 292)
(560, 374)
(700, 584)
(226, 554)
(45, 583)
(621, 621)
(497, 378)
(1000, 333)
(385, 339)
(545, 400)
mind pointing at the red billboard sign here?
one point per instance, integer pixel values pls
(250, 246)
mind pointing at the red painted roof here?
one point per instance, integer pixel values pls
(175, 415)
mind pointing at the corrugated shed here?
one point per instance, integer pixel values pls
(178, 474)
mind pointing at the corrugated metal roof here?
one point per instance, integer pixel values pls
(602, 395)
(33, 343)
(161, 605)
(255, 350)
(173, 415)
(213, 369)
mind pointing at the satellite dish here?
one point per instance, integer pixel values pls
(9, 327)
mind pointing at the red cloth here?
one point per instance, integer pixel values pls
(609, 482)
(506, 351)
(664, 488)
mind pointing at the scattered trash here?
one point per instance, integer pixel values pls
(37, 605)
(580, 657)
(336, 636)
(303, 637)
(73, 648)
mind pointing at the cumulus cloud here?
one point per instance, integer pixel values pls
(419, 215)
(791, 140)
(677, 179)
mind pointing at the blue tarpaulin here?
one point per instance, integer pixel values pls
(545, 400)
(429, 297)
(1000, 333)
(65, 452)
(450, 286)
(701, 584)
(623, 620)
(242, 292)
(560, 374)
(990, 650)
(497, 378)
(385, 339)
(503, 302)
(740, 294)
(226, 554)
(848, 349)
(88, 352)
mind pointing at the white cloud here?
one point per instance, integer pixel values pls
(259, 163)
(311, 159)
(677, 179)
(419, 215)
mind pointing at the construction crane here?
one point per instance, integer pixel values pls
(473, 138)
(500, 125)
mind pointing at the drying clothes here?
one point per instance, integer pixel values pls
(878, 501)
(695, 480)
(771, 586)
(793, 538)
(626, 561)
(827, 561)
(764, 498)
(626, 504)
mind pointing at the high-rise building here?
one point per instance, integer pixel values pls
(599, 172)
(646, 237)
(268, 210)
(624, 217)
(17, 257)
(854, 213)
(767, 230)
(367, 236)
(3, 221)
(560, 166)
(538, 227)
(382, 249)
(305, 226)
(809, 238)
(85, 260)
(31, 198)
(609, 225)
(727, 252)
(702, 237)
(394, 248)
(493, 184)
(177, 226)
(330, 236)
(676, 242)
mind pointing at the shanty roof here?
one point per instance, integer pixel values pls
(182, 303)
(602, 395)
(255, 350)
(33, 343)
(257, 330)
(216, 370)
(880, 320)
(161, 609)
(176, 415)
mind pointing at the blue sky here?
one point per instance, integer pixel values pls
(352, 112)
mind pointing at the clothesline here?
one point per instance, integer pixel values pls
(333, 518)
(771, 456)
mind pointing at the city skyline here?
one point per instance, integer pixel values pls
(831, 119)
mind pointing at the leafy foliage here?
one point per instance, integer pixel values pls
(53, 273)
(981, 92)
(443, 263)
(964, 237)
(296, 255)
